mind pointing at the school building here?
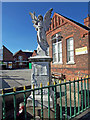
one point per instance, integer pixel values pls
(69, 46)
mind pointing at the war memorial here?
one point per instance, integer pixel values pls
(41, 70)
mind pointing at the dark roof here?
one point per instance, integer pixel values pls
(28, 54)
(3, 47)
(17, 52)
(79, 24)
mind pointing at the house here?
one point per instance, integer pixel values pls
(21, 59)
(6, 58)
(69, 46)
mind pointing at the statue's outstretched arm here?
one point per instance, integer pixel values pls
(34, 19)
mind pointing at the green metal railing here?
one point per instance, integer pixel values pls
(78, 85)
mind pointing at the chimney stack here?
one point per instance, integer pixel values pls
(87, 21)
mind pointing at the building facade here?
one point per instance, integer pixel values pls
(21, 59)
(69, 46)
(6, 58)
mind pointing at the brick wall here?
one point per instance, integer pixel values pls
(7, 55)
(34, 53)
(16, 59)
(20, 53)
(81, 39)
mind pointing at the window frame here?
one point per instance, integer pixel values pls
(60, 52)
(57, 42)
(69, 51)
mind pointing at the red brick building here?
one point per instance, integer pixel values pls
(21, 59)
(69, 46)
(34, 53)
(6, 58)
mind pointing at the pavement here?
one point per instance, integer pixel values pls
(15, 78)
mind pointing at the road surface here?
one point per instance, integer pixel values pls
(15, 78)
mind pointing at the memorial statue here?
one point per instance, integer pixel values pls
(41, 27)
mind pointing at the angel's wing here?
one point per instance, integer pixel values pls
(47, 19)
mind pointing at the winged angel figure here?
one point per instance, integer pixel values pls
(41, 27)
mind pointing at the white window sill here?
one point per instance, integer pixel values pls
(58, 63)
(70, 63)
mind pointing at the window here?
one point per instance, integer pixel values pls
(70, 51)
(60, 51)
(20, 58)
(57, 48)
(54, 52)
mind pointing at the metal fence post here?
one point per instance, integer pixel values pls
(41, 101)
(74, 99)
(55, 103)
(81, 95)
(85, 91)
(60, 100)
(65, 100)
(70, 98)
(88, 90)
(3, 106)
(25, 112)
(33, 101)
(14, 89)
(48, 101)
(78, 96)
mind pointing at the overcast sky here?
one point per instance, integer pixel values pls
(17, 27)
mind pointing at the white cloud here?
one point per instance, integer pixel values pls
(27, 50)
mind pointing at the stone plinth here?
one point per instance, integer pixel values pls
(41, 70)
(41, 73)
